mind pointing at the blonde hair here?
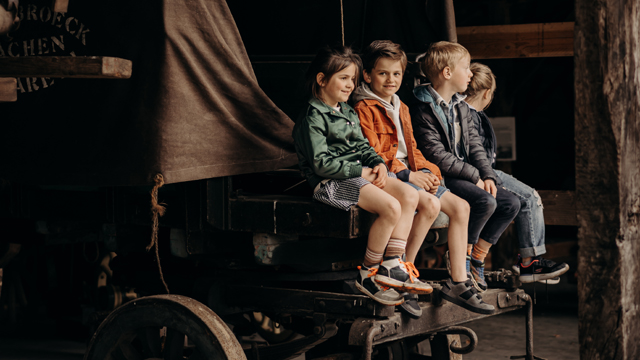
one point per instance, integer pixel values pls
(441, 55)
(483, 79)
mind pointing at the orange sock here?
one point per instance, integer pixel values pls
(479, 253)
(469, 248)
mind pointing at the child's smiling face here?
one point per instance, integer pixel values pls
(385, 78)
(461, 75)
(339, 86)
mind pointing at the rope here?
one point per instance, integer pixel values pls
(157, 210)
(342, 20)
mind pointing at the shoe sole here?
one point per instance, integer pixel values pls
(552, 281)
(402, 287)
(527, 279)
(381, 301)
(466, 306)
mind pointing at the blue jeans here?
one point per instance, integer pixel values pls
(489, 217)
(530, 218)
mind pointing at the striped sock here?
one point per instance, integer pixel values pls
(469, 249)
(479, 253)
(395, 247)
(372, 258)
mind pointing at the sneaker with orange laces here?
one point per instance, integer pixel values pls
(366, 284)
(402, 276)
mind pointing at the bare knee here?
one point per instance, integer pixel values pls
(391, 211)
(428, 205)
(461, 209)
(409, 199)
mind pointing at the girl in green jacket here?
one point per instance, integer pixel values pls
(344, 170)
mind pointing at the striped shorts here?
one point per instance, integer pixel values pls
(342, 193)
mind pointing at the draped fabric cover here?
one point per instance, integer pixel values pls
(192, 109)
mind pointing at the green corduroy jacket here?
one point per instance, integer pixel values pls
(330, 144)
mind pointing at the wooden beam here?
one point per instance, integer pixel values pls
(559, 207)
(8, 89)
(99, 67)
(60, 6)
(517, 41)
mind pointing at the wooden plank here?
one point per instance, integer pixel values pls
(517, 41)
(60, 6)
(98, 67)
(559, 207)
(8, 89)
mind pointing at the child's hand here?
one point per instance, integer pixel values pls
(480, 184)
(434, 180)
(490, 187)
(421, 179)
(380, 180)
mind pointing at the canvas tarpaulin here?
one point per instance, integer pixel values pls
(192, 109)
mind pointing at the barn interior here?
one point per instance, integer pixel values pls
(50, 285)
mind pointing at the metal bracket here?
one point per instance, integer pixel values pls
(506, 300)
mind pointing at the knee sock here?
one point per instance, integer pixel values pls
(395, 247)
(371, 258)
(480, 250)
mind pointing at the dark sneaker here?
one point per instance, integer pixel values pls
(397, 274)
(367, 286)
(540, 269)
(477, 274)
(552, 281)
(465, 294)
(410, 305)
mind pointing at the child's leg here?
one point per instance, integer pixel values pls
(377, 201)
(482, 205)
(529, 220)
(428, 209)
(406, 196)
(458, 211)
(507, 207)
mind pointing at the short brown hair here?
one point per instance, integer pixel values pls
(382, 48)
(482, 79)
(441, 55)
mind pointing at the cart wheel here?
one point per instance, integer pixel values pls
(169, 327)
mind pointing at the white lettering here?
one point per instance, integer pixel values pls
(31, 12)
(28, 46)
(60, 43)
(10, 52)
(67, 25)
(48, 12)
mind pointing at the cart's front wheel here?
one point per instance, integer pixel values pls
(170, 327)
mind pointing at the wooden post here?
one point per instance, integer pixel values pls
(607, 134)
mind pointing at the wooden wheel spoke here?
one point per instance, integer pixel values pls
(150, 341)
(129, 352)
(173, 345)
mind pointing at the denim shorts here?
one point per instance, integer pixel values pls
(441, 189)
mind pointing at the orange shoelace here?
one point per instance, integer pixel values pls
(372, 271)
(411, 269)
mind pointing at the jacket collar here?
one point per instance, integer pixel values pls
(324, 108)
